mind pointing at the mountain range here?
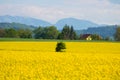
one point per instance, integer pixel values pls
(78, 24)
(81, 26)
(24, 20)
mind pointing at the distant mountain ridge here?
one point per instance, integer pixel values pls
(76, 23)
(23, 20)
(81, 26)
(104, 31)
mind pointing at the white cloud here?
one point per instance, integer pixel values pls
(100, 11)
(45, 13)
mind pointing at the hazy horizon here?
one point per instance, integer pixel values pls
(98, 11)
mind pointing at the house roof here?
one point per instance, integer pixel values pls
(84, 36)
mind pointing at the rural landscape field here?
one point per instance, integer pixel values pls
(59, 39)
(39, 61)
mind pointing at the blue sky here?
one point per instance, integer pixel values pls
(99, 11)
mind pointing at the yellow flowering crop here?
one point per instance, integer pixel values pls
(39, 61)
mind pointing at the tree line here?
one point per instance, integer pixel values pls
(51, 32)
(13, 33)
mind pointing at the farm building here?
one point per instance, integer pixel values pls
(86, 37)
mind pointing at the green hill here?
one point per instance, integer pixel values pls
(16, 26)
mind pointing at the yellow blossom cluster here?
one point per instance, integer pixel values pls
(39, 61)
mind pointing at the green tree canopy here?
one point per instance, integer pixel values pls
(117, 34)
(96, 37)
(25, 33)
(60, 47)
(2, 33)
(67, 33)
(50, 32)
(38, 32)
(11, 33)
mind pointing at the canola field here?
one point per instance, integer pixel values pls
(39, 61)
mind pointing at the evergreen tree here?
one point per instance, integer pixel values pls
(117, 34)
(67, 33)
(73, 35)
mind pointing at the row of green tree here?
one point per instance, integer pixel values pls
(13, 33)
(51, 32)
(68, 33)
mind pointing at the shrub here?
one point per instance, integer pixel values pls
(60, 47)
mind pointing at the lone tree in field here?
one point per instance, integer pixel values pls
(60, 47)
